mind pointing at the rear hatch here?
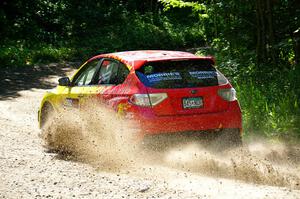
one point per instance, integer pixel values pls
(191, 85)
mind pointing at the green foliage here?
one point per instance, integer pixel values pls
(278, 117)
(17, 54)
(12, 55)
(81, 38)
(195, 6)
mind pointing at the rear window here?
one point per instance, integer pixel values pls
(178, 74)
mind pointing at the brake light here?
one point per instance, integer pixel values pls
(228, 94)
(151, 99)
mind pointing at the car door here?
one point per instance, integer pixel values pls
(112, 76)
(82, 79)
(101, 84)
(99, 79)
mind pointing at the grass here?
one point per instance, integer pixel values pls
(17, 54)
(277, 117)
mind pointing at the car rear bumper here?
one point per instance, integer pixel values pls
(151, 124)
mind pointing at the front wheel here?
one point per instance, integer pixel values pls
(46, 113)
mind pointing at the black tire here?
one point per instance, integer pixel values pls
(46, 113)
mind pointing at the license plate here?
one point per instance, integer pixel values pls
(192, 102)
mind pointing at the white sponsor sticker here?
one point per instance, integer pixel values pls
(203, 74)
(156, 77)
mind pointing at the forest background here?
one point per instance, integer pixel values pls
(256, 44)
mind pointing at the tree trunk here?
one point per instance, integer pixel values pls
(261, 32)
(265, 50)
(271, 38)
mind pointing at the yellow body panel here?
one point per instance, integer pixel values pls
(57, 96)
(64, 95)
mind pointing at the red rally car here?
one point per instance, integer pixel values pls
(167, 92)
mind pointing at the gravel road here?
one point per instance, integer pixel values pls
(27, 170)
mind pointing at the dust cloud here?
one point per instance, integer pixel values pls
(97, 137)
(260, 163)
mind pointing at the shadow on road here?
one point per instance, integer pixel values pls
(16, 79)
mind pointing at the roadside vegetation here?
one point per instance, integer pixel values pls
(256, 44)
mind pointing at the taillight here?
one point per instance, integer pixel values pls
(151, 99)
(228, 94)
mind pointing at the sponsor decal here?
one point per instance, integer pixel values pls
(156, 77)
(121, 109)
(203, 74)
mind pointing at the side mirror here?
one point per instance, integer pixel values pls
(64, 81)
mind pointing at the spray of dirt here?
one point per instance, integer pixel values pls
(98, 137)
(259, 162)
(95, 136)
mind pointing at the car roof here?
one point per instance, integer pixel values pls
(137, 58)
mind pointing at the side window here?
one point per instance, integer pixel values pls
(123, 72)
(112, 72)
(86, 75)
(107, 70)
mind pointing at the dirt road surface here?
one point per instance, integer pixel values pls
(27, 170)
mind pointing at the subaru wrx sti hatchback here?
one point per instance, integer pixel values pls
(167, 92)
